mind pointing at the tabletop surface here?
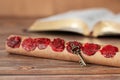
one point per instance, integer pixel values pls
(19, 67)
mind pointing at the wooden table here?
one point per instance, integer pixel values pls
(17, 67)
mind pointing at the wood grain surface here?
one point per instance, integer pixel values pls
(17, 67)
(42, 8)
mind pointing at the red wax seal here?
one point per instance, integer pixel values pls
(57, 45)
(90, 48)
(109, 51)
(14, 42)
(29, 44)
(73, 46)
(42, 43)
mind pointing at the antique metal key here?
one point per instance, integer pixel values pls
(76, 50)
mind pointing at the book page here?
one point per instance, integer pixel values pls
(89, 16)
(78, 21)
(107, 26)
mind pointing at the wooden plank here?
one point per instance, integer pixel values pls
(17, 64)
(67, 5)
(61, 77)
(42, 8)
(26, 8)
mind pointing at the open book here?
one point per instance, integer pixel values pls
(90, 22)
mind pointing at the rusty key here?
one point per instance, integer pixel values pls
(76, 50)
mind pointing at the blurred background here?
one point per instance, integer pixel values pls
(44, 8)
